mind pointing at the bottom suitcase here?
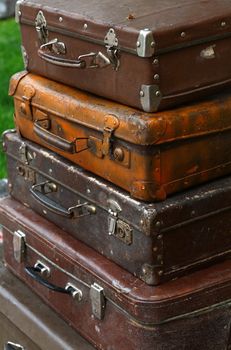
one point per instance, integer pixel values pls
(108, 305)
(28, 324)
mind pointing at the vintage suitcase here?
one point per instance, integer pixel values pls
(106, 304)
(143, 54)
(156, 242)
(150, 156)
(26, 323)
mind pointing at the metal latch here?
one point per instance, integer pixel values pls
(25, 106)
(98, 301)
(111, 43)
(102, 147)
(41, 27)
(117, 227)
(19, 245)
(13, 346)
(24, 155)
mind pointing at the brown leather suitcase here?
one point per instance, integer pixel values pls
(26, 323)
(106, 304)
(143, 54)
(149, 155)
(156, 242)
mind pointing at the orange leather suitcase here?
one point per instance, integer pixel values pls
(149, 155)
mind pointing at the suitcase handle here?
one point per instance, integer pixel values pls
(90, 60)
(84, 209)
(34, 273)
(57, 141)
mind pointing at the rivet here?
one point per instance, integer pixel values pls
(223, 24)
(141, 93)
(141, 222)
(155, 249)
(114, 123)
(159, 236)
(19, 13)
(60, 19)
(118, 154)
(183, 34)
(85, 26)
(138, 44)
(156, 61)
(157, 93)
(156, 77)
(152, 44)
(88, 190)
(160, 273)
(45, 212)
(50, 171)
(143, 188)
(10, 185)
(157, 224)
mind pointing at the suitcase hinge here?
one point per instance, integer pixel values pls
(117, 227)
(41, 27)
(19, 245)
(98, 301)
(145, 45)
(111, 43)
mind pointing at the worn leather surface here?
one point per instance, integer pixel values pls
(183, 233)
(191, 56)
(192, 307)
(162, 153)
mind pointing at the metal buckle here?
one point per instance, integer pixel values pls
(94, 60)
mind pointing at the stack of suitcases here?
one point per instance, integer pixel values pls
(119, 214)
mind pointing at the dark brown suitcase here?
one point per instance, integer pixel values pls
(106, 304)
(149, 55)
(26, 323)
(156, 242)
(151, 156)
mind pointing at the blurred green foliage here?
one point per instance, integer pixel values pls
(10, 63)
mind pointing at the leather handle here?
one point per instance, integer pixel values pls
(77, 211)
(34, 273)
(89, 60)
(58, 61)
(54, 140)
(60, 48)
(49, 203)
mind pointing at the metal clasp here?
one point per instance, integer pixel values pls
(41, 27)
(111, 43)
(19, 245)
(98, 301)
(56, 46)
(117, 227)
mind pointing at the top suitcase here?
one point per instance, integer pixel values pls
(147, 55)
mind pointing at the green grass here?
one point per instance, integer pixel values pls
(10, 63)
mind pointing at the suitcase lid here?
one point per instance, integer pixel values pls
(125, 123)
(150, 305)
(143, 28)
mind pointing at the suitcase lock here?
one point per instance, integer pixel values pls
(117, 227)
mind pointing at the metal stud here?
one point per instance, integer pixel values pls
(85, 26)
(156, 61)
(156, 77)
(223, 24)
(183, 34)
(141, 93)
(60, 19)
